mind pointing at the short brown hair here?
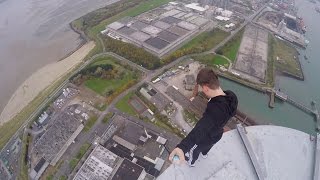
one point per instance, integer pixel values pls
(208, 77)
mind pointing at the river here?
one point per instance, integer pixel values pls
(255, 104)
(34, 33)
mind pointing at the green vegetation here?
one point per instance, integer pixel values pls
(91, 121)
(74, 161)
(151, 106)
(99, 85)
(163, 122)
(63, 177)
(203, 42)
(133, 53)
(106, 77)
(51, 170)
(270, 65)
(230, 49)
(206, 40)
(190, 117)
(286, 58)
(23, 174)
(212, 60)
(124, 106)
(108, 117)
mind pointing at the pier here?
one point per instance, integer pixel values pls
(272, 100)
(313, 110)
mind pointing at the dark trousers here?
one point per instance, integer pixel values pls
(197, 149)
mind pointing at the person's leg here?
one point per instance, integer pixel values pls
(206, 149)
(194, 154)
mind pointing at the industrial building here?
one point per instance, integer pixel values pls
(160, 30)
(141, 149)
(99, 165)
(53, 142)
(156, 98)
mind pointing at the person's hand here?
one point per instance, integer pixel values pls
(178, 152)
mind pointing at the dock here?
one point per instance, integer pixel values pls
(313, 110)
(272, 100)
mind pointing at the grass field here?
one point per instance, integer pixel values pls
(189, 117)
(23, 174)
(201, 43)
(124, 106)
(74, 161)
(104, 60)
(51, 171)
(286, 58)
(102, 86)
(230, 49)
(207, 40)
(108, 117)
(91, 121)
(212, 60)
(270, 64)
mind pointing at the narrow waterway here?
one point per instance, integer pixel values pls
(255, 103)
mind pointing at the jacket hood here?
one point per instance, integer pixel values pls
(231, 101)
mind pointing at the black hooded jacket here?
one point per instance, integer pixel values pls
(209, 128)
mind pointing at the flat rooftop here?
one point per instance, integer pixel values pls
(128, 171)
(56, 137)
(98, 166)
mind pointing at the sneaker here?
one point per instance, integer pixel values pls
(204, 156)
(191, 165)
(186, 156)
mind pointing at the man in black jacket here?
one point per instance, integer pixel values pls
(222, 105)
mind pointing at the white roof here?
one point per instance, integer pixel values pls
(195, 6)
(221, 18)
(281, 153)
(173, 3)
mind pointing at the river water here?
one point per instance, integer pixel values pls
(34, 33)
(255, 104)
